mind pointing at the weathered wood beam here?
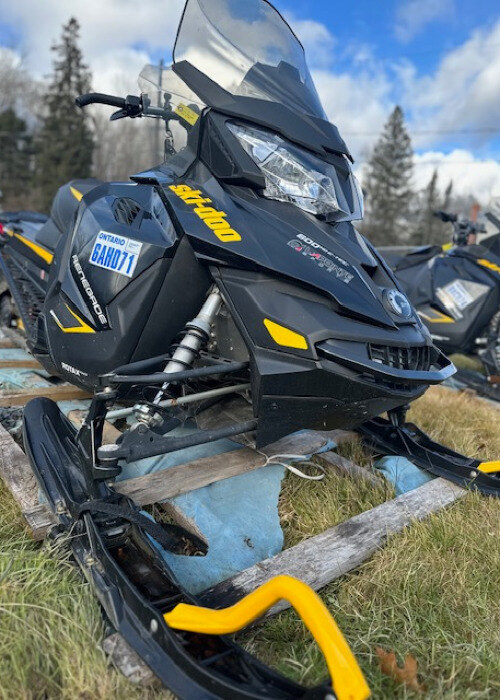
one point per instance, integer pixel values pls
(321, 559)
(61, 392)
(190, 476)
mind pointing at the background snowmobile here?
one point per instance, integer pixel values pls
(456, 291)
(234, 262)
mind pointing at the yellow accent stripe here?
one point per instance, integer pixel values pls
(77, 195)
(347, 680)
(82, 328)
(48, 257)
(284, 336)
(439, 318)
(447, 246)
(489, 467)
(489, 265)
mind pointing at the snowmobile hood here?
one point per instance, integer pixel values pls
(334, 260)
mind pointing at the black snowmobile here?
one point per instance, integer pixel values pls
(456, 291)
(234, 263)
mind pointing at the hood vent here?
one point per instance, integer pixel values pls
(126, 210)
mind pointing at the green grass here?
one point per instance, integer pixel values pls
(433, 591)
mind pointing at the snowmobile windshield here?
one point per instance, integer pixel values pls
(247, 48)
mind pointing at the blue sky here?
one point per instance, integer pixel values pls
(439, 59)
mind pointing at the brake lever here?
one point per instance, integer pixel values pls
(133, 108)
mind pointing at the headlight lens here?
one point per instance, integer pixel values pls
(295, 175)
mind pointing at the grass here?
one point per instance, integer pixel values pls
(431, 592)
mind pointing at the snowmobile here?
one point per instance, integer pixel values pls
(231, 269)
(456, 291)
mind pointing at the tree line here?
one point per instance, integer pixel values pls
(45, 141)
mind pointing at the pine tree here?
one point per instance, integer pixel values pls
(429, 229)
(15, 162)
(388, 184)
(65, 143)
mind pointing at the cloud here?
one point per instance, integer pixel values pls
(463, 93)
(317, 40)
(358, 104)
(471, 176)
(413, 16)
(105, 27)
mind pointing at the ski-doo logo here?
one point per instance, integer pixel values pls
(320, 260)
(215, 220)
(88, 291)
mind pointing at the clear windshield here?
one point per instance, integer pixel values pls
(247, 48)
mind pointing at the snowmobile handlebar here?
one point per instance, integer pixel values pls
(444, 216)
(90, 98)
(131, 106)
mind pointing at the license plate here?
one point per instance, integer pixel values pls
(116, 253)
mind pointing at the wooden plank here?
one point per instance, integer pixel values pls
(20, 364)
(325, 557)
(18, 338)
(60, 392)
(110, 434)
(16, 472)
(165, 484)
(161, 485)
(128, 662)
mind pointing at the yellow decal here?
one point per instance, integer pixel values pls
(48, 257)
(81, 328)
(489, 265)
(186, 113)
(215, 220)
(447, 246)
(77, 195)
(489, 467)
(347, 679)
(284, 336)
(438, 318)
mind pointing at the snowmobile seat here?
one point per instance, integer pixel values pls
(63, 210)
(33, 217)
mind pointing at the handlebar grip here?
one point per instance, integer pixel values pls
(99, 98)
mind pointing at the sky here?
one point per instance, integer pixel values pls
(438, 59)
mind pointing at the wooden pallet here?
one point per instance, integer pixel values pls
(318, 560)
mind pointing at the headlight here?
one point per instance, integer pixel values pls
(295, 175)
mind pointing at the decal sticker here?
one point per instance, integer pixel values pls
(455, 298)
(318, 246)
(115, 253)
(186, 113)
(215, 220)
(320, 260)
(98, 314)
(73, 370)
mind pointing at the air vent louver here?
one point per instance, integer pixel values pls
(126, 210)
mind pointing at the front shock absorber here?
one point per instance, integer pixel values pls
(195, 335)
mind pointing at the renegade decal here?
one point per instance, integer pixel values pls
(115, 253)
(85, 284)
(320, 260)
(215, 220)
